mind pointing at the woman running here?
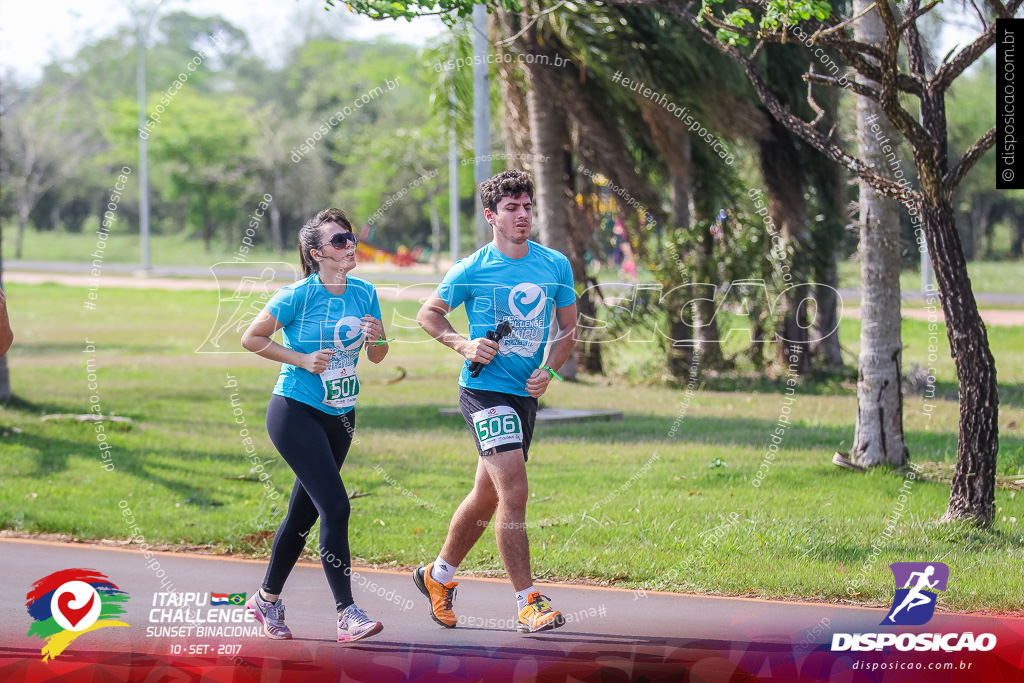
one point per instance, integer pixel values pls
(326, 319)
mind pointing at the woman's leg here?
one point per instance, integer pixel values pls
(314, 446)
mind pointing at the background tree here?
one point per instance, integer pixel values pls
(878, 433)
(972, 491)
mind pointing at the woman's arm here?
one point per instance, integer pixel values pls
(374, 331)
(257, 339)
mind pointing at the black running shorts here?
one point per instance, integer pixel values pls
(499, 422)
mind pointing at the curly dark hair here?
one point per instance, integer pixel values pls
(309, 237)
(510, 183)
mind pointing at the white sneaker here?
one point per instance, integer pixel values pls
(353, 624)
(271, 615)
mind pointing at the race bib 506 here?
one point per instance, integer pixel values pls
(497, 426)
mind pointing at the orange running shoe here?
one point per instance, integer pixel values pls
(441, 595)
(538, 615)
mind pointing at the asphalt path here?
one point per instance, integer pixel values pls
(611, 634)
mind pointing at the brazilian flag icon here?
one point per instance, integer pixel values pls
(237, 599)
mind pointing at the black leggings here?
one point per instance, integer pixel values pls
(314, 444)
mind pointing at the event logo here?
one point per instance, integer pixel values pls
(914, 601)
(69, 603)
(348, 333)
(524, 307)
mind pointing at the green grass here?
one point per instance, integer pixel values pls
(634, 503)
(165, 250)
(987, 277)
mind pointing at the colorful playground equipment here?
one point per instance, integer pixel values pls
(404, 257)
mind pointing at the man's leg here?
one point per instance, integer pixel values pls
(467, 525)
(507, 473)
(471, 517)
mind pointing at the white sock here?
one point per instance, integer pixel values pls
(523, 596)
(442, 572)
(269, 597)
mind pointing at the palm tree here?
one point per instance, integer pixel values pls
(878, 434)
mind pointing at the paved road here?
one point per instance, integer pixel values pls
(611, 635)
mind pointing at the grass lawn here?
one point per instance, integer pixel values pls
(662, 500)
(987, 277)
(165, 250)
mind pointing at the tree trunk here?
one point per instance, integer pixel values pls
(5, 375)
(878, 434)
(826, 321)
(784, 185)
(675, 147)
(680, 329)
(515, 112)
(549, 140)
(548, 136)
(828, 235)
(1017, 245)
(586, 353)
(23, 211)
(275, 213)
(972, 495)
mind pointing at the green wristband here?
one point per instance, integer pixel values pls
(553, 373)
(383, 341)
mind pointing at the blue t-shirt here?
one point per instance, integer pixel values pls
(315, 319)
(524, 292)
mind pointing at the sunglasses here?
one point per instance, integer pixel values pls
(340, 239)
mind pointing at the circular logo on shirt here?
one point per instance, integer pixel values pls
(526, 293)
(348, 333)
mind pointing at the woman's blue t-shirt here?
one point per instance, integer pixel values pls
(315, 319)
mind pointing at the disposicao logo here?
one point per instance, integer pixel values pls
(69, 603)
(913, 604)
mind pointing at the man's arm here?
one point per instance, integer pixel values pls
(433, 321)
(558, 352)
(6, 334)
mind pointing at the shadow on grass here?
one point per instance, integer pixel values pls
(815, 382)
(726, 431)
(44, 348)
(54, 456)
(20, 404)
(1010, 395)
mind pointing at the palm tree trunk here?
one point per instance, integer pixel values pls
(275, 213)
(23, 211)
(878, 434)
(548, 135)
(826, 322)
(5, 375)
(675, 147)
(784, 184)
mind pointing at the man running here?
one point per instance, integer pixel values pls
(519, 281)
